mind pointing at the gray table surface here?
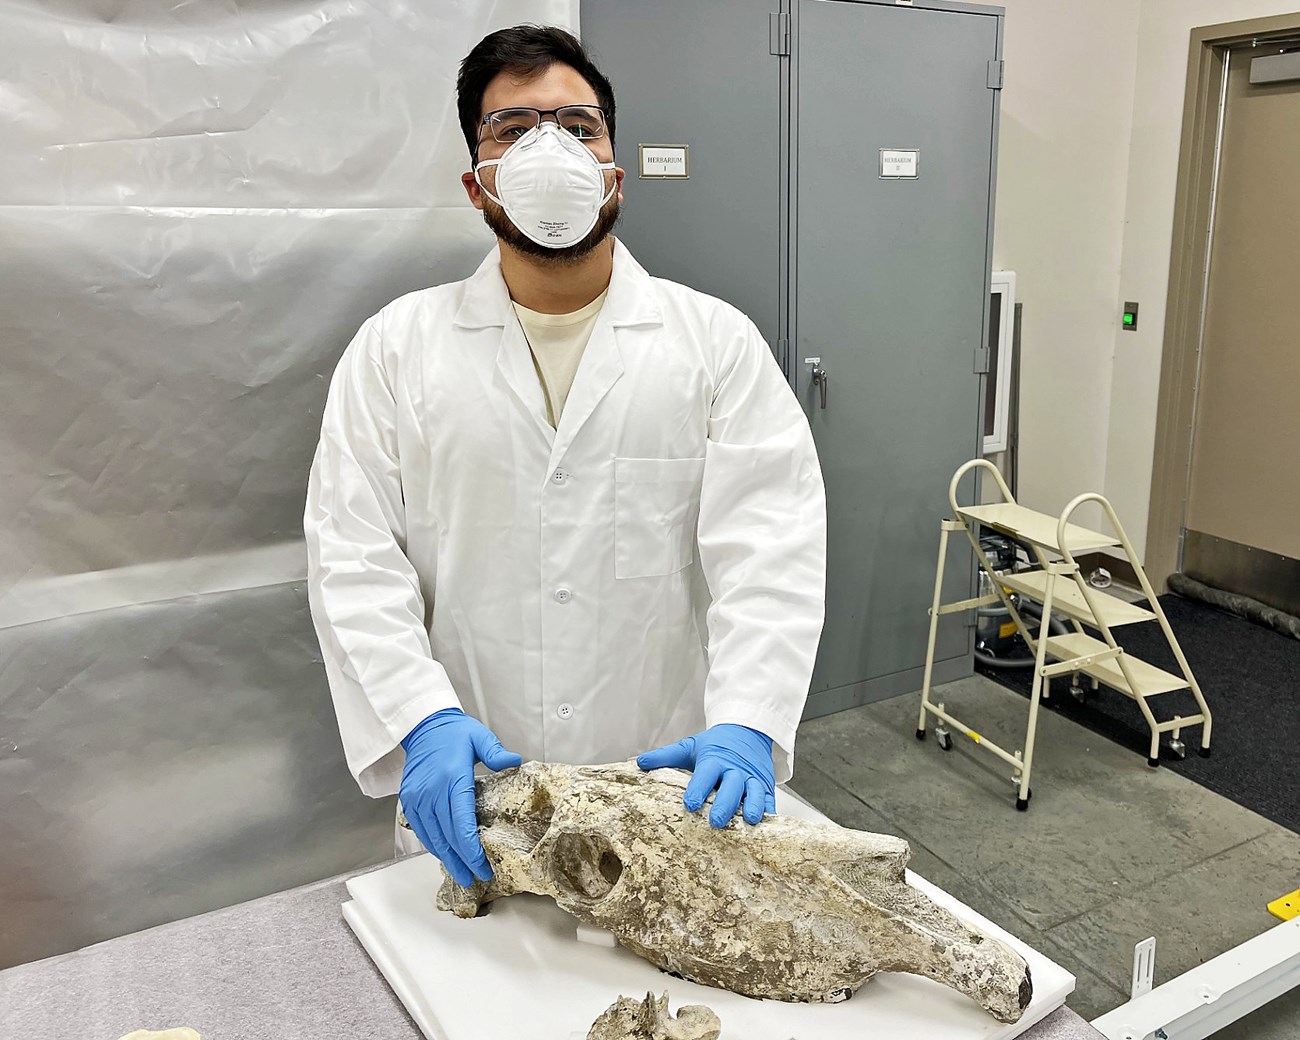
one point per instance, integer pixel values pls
(284, 967)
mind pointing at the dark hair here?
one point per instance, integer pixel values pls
(525, 51)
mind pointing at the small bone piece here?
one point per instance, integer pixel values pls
(788, 910)
(179, 1033)
(650, 1019)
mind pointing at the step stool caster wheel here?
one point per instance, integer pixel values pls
(1079, 694)
(1154, 763)
(1178, 749)
(920, 733)
(943, 737)
(1203, 752)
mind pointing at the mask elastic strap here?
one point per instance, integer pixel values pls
(497, 162)
(613, 188)
(483, 187)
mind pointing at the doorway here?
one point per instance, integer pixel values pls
(1226, 493)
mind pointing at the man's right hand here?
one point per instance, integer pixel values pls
(437, 791)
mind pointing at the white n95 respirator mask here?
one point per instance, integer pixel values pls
(551, 186)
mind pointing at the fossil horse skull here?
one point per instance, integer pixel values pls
(788, 910)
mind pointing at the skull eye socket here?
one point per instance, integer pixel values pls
(586, 865)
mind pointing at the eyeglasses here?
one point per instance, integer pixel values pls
(582, 121)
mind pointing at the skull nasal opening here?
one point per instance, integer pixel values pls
(611, 868)
(586, 865)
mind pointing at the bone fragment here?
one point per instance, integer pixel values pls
(650, 1019)
(179, 1033)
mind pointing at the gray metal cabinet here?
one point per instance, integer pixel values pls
(841, 164)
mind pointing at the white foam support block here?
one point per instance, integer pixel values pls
(520, 971)
(596, 936)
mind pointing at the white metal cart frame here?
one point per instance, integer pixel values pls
(1059, 586)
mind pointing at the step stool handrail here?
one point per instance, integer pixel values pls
(968, 467)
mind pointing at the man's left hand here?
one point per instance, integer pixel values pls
(736, 761)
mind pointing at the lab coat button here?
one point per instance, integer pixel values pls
(565, 711)
(559, 476)
(563, 595)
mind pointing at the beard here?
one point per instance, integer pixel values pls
(503, 227)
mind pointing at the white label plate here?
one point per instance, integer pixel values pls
(897, 163)
(664, 161)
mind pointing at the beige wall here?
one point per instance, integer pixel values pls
(1091, 118)
(1062, 165)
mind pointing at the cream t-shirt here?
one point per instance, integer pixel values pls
(557, 342)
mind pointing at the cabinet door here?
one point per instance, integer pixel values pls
(891, 291)
(702, 75)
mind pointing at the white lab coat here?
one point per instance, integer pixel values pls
(563, 585)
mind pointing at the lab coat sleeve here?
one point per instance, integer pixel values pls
(365, 595)
(762, 543)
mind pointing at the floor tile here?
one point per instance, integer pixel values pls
(1093, 996)
(1195, 914)
(1102, 824)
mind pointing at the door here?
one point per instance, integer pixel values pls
(701, 75)
(891, 294)
(1242, 522)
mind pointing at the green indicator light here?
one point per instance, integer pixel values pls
(1128, 319)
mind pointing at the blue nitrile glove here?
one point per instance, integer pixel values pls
(734, 759)
(437, 792)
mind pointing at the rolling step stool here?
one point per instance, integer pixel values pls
(1058, 585)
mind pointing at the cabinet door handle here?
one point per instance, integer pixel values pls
(821, 380)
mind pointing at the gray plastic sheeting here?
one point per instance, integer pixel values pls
(199, 204)
(171, 758)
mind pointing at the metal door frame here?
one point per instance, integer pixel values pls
(1189, 280)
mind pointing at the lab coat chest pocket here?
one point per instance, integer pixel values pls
(656, 507)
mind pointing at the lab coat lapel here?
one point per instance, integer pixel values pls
(600, 368)
(486, 304)
(631, 301)
(516, 367)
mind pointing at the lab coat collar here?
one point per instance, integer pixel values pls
(632, 298)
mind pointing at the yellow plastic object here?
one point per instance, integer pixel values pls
(1287, 906)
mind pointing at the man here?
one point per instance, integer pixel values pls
(541, 492)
